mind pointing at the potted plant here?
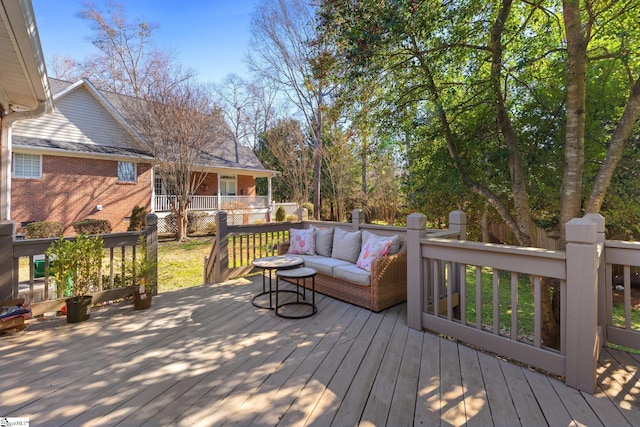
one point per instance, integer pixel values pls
(76, 266)
(143, 271)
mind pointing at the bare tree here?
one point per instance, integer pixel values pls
(65, 68)
(341, 172)
(128, 63)
(182, 127)
(286, 146)
(288, 53)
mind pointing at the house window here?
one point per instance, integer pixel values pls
(159, 186)
(27, 165)
(228, 185)
(126, 172)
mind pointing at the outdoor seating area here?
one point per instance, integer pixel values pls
(377, 283)
(206, 356)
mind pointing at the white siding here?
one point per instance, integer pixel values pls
(78, 117)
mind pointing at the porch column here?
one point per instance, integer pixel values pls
(219, 195)
(270, 206)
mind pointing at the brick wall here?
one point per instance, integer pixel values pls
(71, 189)
(246, 185)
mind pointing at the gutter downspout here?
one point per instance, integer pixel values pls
(5, 155)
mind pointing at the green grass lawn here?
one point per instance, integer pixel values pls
(181, 265)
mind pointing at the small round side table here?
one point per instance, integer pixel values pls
(299, 274)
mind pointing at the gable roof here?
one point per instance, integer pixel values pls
(229, 157)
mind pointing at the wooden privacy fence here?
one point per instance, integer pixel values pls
(491, 295)
(38, 292)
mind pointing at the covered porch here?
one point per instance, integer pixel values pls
(206, 356)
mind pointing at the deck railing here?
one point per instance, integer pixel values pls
(491, 296)
(622, 272)
(236, 246)
(40, 291)
(213, 203)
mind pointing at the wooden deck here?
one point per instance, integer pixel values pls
(206, 356)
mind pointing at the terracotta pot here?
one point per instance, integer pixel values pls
(141, 301)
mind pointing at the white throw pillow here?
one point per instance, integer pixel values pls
(302, 242)
(346, 245)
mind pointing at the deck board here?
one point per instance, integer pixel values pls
(206, 356)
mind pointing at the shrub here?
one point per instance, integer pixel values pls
(77, 263)
(211, 229)
(259, 221)
(309, 208)
(196, 221)
(292, 218)
(43, 230)
(280, 214)
(138, 219)
(92, 226)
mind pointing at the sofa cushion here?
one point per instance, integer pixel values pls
(395, 241)
(352, 274)
(374, 248)
(324, 241)
(346, 245)
(323, 265)
(302, 242)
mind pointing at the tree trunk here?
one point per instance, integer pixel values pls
(571, 190)
(516, 167)
(182, 221)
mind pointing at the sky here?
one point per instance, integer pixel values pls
(209, 36)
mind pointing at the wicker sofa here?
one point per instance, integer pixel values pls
(384, 286)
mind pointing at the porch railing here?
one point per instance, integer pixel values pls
(40, 293)
(213, 203)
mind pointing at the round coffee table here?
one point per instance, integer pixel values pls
(297, 274)
(271, 263)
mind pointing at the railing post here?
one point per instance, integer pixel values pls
(151, 232)
(7, 289)
(582, 308)
(357, 218)
(416, 229)
(602, 279)
(458, 223)
(302, 214)
(221, 266)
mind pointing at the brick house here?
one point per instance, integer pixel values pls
(84, 160)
